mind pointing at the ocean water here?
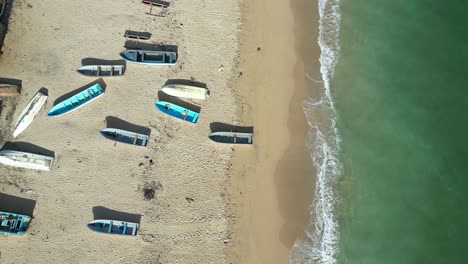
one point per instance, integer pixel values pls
(392, 183)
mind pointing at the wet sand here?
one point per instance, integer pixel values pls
(274, 182)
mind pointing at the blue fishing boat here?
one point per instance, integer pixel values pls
(113, 227)
(150, 57)
(13, 224)
(177, 111)
(76, 101)
(125, 136)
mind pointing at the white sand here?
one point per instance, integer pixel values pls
(46, 42)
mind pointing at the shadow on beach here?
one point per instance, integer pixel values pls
(223, 127)
(27, 147)
(17, 205)
(175, 100)
(114, 122)
(100, 212)
(76, 91)
(96, 61)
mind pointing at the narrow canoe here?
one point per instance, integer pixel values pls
(25, 160)
(101, 70)
(125, 136)
(149, 57)
(177, 111)
(76, 101)
(13, 224)
(27, 115)
(186, 91)
(113, 227)
(232, 137)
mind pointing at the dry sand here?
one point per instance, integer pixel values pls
(274, 183)
(187, 222)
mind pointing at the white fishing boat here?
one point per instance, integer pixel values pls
(186, 91)
(27, 115)
(25, 160)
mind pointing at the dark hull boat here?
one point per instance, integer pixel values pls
(125, 136)
(150, 57)
(232, 137)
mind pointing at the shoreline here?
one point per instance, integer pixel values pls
(273, 184)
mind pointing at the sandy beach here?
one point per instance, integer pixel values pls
(92, 177)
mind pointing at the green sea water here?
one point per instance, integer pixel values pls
(401, 94)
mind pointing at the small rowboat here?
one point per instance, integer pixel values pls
(101, 70)
(177, 111)
(25, 160)
(13, 224)
(186, 91)
(27, 115)
(113, 227)
(232, 137)
(149, 57)
(76, 101)
(125, 136)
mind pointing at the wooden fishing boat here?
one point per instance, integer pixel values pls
(27, 115)
(160, 3)
(149, 57)
(125, 136)
(137, 35)
(113, 227)
(76, 101)
(101, 70)
(13, 224)
(7, 90)
(232, 137)
(186, 91)
(25, 160)
(177, 111)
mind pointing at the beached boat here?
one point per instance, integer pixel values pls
(13, 224)
(149, 57)
(160, 3)
(76, 101)
(125, 136)
(25, 160)
(113, 227)
(177, 111)
(27, 115)
(232, 137)
(101, 70)
(186, 91)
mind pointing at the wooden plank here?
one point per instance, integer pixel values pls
(160, 3)
(9, 90)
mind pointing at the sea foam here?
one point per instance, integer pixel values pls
(320, 246)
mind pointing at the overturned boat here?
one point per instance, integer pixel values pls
(27, 115)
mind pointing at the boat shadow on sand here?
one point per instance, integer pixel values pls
(100, 212)
(175, 100)
(133, 44)
(95, 61)
(114, 122)
(223, 127)
(17, 205)
(27, 147)
(76, 91)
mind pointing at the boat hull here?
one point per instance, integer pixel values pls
(13, 224)
(25, 160)
(177, 111)
(149, 57)
(185, 91)
(101, 70)
(76, 101)
(125, 136)
(113, 227)
(232, 137)
(27, 115)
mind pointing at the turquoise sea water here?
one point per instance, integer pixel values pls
(401, 95)
(392, 157)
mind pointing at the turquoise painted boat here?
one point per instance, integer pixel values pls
(149, 57)
(13, 224)
(177, 111)
(113, 227)
(76, 101)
